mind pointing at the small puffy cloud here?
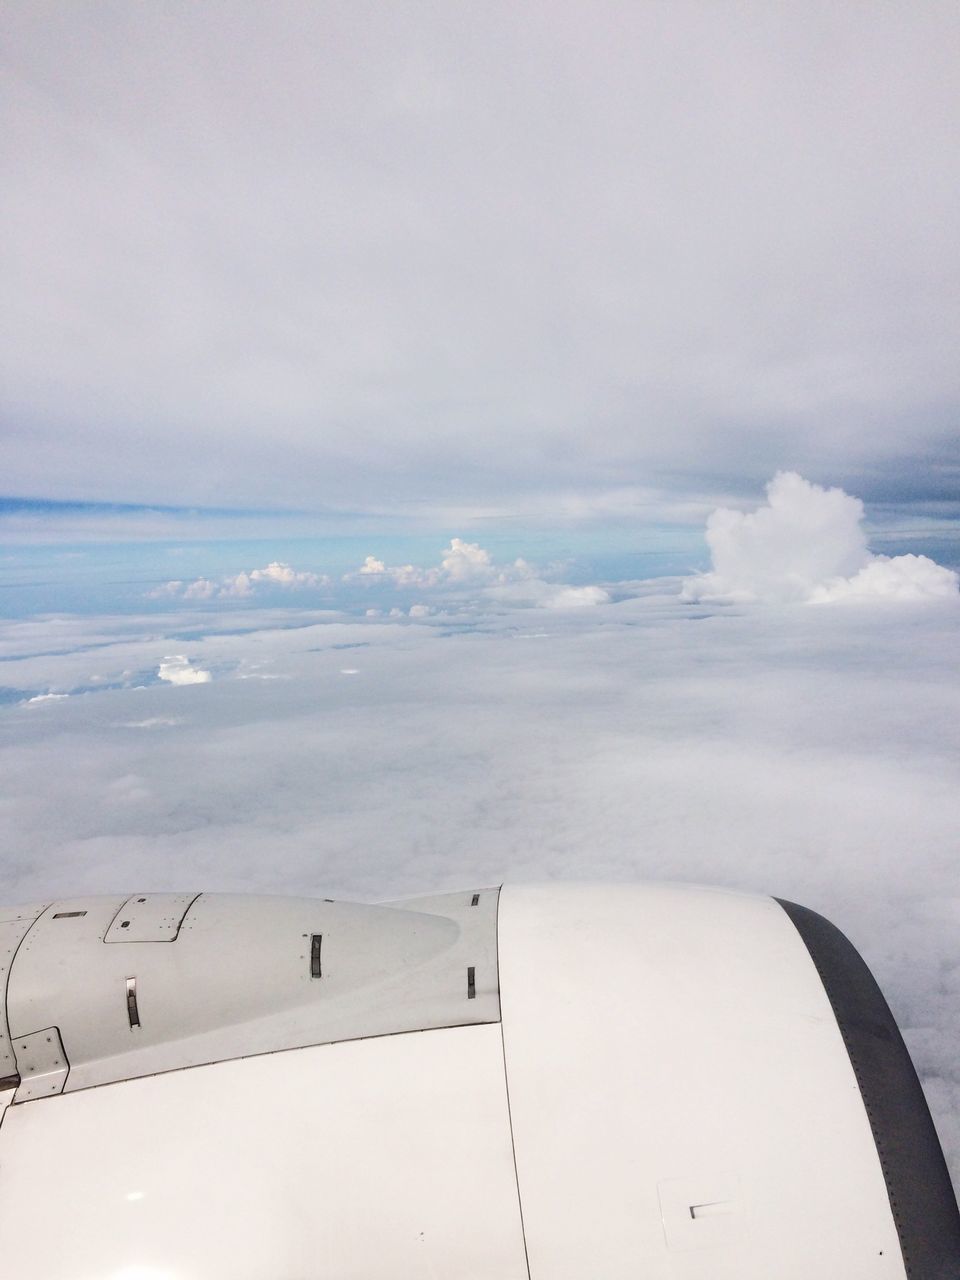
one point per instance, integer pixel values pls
(285, 576)
(807, 544)
(202, 589)
(243, 584)
(466, 562)
(403, 575)
(176, 669)
(461, 564)
(408, 575)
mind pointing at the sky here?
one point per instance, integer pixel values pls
(443, 443)
(436, 261)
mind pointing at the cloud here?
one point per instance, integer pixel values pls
(807, 544)
(242, 585)
(467, 564)
(462, 562)
(548, 595)
(285, 576)
(412, 279)
(201, 589)
(177, 670)
(788, 751)
(906, 577)
(151, 722)
(405, 575)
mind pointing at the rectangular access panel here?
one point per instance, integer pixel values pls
(150, 917)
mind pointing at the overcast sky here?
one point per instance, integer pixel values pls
(479, 257)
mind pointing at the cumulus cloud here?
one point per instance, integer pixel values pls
(243, 584)
(807, 544)
(176, 669)
(462, 562)
(906, 577)
(404, 575)
(467, 564)
(201, 589)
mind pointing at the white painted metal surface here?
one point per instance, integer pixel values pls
(381, 1158)
(676, 1077)
(14, 924)
(668, 1096)
(237, 978)
(41, 1064)
(149, 917)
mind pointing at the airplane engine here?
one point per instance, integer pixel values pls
(547, 1082)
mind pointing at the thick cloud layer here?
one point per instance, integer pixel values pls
(808, 544)
(807, 752)
(529, 257)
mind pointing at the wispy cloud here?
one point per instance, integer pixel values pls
(548, 595)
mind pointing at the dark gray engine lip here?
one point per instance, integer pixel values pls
(918, 1183)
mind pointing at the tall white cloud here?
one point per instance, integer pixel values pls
(466, 562)
(807, 544)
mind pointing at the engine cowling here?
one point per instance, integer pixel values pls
(553, 1082)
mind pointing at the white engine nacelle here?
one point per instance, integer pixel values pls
(557, 1082)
